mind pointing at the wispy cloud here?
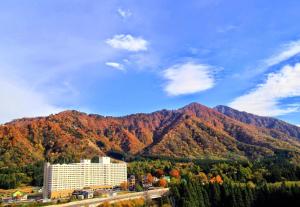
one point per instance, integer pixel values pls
(18, 100)
(124, 13)
(128, 42)
(287, 51)
(188, 78)
(265, 98)
(115, 65)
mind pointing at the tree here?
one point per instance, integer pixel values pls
(138, 187)
(124, 186)
(205, 197)
(149, 178)
(202, 177)
(163, 183)
(218, 179)
(159, 173)
(105, 204)
(175, 173)
(250, 184)
(215, 194)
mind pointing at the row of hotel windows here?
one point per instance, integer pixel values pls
(88, 166)
(85, 180)
(88, 174)
(92, 175)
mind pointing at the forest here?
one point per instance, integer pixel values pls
(196, 194)
(13, 177)
(267, 170)
(204, 182)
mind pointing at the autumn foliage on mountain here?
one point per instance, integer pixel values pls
(194, 131)
(260, 121)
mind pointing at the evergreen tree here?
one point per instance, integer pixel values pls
(205, 197)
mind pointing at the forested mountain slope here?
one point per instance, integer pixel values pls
(260, 121)
(194, 131)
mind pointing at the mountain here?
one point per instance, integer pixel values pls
(260, 121)
(194, 131)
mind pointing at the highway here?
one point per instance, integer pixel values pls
(150, 194)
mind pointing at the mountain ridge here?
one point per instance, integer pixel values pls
(260, 121)
(193, 131)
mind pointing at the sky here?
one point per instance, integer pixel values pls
(115, 58)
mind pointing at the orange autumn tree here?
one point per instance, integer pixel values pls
(124, 186)
(218, 179)
(105, 204)
(125, 203)
(162, 183)
(159, 173)
(175, 173)
(149, 178)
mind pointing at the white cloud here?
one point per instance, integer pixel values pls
(285, 52)
(188, 78)
(288, 50)
(128, 42)
(115, 65)
(124, 13)
(265, 98)
(19, 101)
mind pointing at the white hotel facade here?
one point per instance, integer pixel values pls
(61, 180)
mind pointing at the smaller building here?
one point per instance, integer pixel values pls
(131, 181)
(80, 197)
(88, 194)
(155, 179)
(83, 194)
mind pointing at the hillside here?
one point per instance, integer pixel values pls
(260, 121)
(194, 131)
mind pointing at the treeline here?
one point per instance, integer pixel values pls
(13, 177)
(268, 170)
(193, 193)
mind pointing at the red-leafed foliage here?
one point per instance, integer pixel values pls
(175, 173)
(193, 131)
(162, 183)
(159, 173)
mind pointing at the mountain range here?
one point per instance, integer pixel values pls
(194, 131)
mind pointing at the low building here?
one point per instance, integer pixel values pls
(60, 180)
(85, 193)
(155, 179)
(88, 193)
(131, 180)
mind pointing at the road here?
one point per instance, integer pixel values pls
(97, 201)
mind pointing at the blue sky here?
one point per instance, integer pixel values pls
(120, 57)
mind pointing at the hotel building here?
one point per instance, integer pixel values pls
(60, 180)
